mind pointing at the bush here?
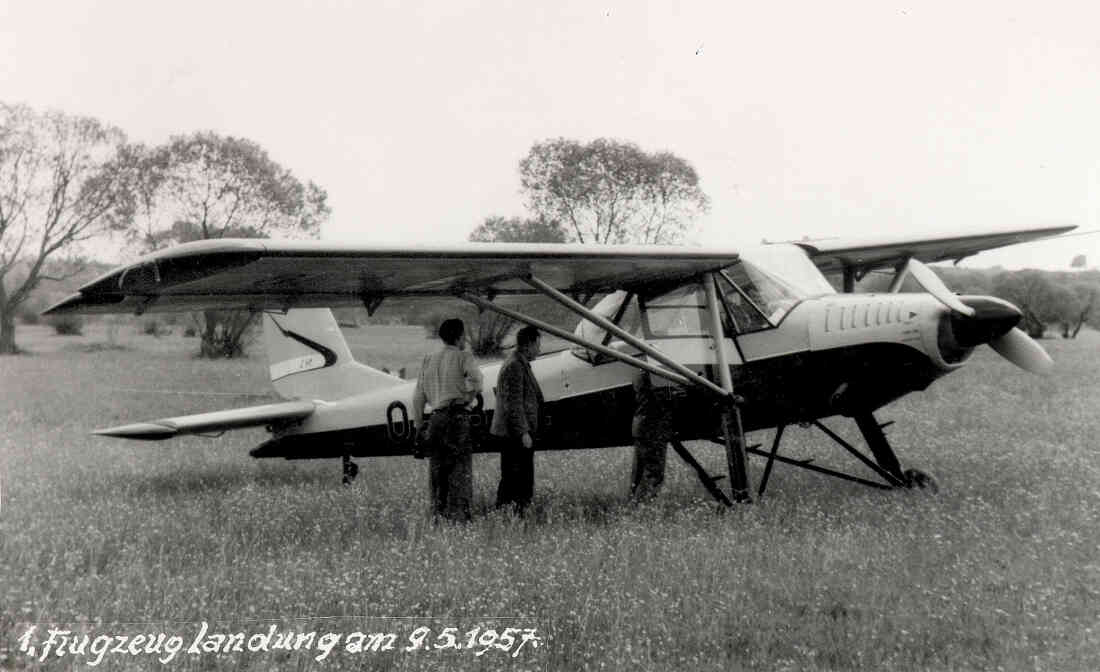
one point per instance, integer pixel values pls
(28, 315)
(225, 333)
(67, 325)
(190, 331)
(153, 328)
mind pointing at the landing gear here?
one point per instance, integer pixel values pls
(884, 463)
(915, 478)
(351, 470)
(709, 482)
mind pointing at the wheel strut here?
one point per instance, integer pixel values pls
(879, 445)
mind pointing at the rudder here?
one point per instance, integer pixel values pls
(309, 358)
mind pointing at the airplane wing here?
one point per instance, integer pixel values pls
(886, 252)
(275, 275)
(216, 421)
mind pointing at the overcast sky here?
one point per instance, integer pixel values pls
(819, 119)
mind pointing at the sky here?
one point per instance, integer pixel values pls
(802, 119)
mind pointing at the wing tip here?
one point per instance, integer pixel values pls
(147, 431)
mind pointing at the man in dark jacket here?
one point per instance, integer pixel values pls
(516, 421)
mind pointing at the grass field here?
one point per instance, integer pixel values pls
(1000, 570)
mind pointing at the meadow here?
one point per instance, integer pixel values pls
(999, 570)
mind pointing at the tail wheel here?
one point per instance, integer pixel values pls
(351, 470)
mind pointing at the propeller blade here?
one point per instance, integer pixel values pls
(1019, 348)
(932, 284)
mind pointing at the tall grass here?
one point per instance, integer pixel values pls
(1000, 570)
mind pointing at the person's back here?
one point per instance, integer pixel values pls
(448, 380)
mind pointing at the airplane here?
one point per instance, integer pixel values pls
(740, 340)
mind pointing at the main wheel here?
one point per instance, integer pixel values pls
(915, 478)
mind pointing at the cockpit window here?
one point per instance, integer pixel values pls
(610, 307)
(741, 309)
(757, 292)
(774, 278)
(681, 312)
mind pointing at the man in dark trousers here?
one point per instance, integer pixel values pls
(449, 380)
(651, 429)
(516, 422)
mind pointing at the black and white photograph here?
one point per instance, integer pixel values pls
(549, 336)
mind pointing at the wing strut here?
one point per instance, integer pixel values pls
(572, 338)
(629, 338)
(679, 374)
(732, 429)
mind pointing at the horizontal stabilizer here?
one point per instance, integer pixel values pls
(216, 421)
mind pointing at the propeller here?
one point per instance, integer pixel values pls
(984, 319)
(931, 283)
(1020, 349)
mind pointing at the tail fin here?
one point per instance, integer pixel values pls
(310, 359)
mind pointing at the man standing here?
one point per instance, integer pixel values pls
(516, 421)
(651, 429)
(449, 380)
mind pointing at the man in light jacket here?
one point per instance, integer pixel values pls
(449, 380)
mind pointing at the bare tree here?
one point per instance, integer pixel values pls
(60, 184)
(608, 191)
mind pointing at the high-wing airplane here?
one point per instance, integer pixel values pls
(745, 339)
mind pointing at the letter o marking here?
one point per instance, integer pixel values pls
(400, 430)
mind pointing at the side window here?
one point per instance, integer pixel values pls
(742, 310)
(627, 317)
(679, 313)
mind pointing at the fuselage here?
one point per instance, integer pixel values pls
(827, 355)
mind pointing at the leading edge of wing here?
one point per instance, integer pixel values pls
(216, 421)
(877, 252)
(261, 273)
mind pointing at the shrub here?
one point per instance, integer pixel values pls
(225, 333)
(153, 328)
(190, 331)
(67, 325)
(28, 315)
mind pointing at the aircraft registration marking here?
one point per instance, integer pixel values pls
(297, 365)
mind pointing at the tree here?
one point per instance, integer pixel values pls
(497, 229)
(60, 184)
(1034, 294)
(1065, 307)
(491, 328)
(205, 186)
(1088, 295)
(608, 191)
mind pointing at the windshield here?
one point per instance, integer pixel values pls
(776, 277)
